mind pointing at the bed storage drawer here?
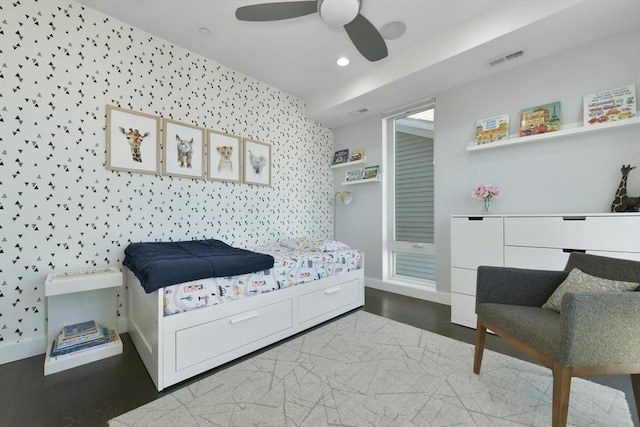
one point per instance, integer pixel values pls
(205, 341)
(325, 300)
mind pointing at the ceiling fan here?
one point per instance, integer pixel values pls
(346, 13)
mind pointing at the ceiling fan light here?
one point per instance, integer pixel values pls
(343, 61)
(338, 12)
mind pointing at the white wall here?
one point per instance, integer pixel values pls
(574, 174)
(61, 209)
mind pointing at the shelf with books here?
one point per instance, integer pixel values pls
(350, 163)
(73, 300)
(567, 130)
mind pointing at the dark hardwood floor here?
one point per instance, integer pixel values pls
(91, 395)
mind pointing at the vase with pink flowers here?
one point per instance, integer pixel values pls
(486, 193)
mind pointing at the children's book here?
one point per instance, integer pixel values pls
(610, 105)
(340, 156)
(356, 154)
(371, 172)
(353, 175)
(492, 129)
(540, 119)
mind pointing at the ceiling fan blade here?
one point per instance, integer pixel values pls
(276, 11)
(366, 38)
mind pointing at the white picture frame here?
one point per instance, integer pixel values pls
(183, 150)
(225, 157)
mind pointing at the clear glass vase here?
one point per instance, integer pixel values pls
(486, 206)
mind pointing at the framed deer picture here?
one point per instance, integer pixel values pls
(183, 150)
(257, 163)
(133, 141)
(225, 160)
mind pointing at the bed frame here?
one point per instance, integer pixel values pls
(178, 347)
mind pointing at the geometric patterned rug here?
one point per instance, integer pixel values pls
(366, 370)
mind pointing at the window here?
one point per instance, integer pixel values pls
(410, 217)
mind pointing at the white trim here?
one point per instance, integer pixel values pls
(122, 323)
(410, 290)
(17, 350)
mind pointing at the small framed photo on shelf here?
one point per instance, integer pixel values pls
(353, 175)
(371, 172)
(356, 154)
(340, 156)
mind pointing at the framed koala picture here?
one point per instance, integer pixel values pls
(183, 153)
(225, 162)
(257, 161)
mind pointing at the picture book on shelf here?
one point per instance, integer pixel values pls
(610, 105)
(540, 119)
(371, 172)
(341, 156)
(78, 329)
(356, 154)
(492, 129)
(353, 175)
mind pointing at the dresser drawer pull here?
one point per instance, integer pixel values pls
(244, 317)
(475, 218)
(332, 290)
(574, 218)
(567, 251)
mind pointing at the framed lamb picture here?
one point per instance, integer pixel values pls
(133, 141)
(225, 161)
(183, 153)
(257, 162)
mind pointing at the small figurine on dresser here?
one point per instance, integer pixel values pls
(621, 202)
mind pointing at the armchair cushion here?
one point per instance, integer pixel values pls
(578, 281)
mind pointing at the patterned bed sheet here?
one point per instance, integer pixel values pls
(291, 267)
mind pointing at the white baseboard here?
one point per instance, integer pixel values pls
(12, 351)
(410, 290)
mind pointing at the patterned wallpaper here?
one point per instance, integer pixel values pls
(60, 65)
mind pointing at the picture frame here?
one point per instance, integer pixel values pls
(257, 162)
(225, 159)
(353, 175)
(133, 141)
(371, 172)
(183, 150)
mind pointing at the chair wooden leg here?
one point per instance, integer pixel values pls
(635, 383)
(561, 390)
(481, 335)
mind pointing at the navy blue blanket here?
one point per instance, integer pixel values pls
(160, 264)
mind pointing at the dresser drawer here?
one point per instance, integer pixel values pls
(463, 310)
(231, 332)
(463, 281)
(605, 233)
(476, 241)
(551, 258)
(321, 302)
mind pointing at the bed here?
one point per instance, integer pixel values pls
(183, 329)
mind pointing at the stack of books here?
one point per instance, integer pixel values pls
(80, 337)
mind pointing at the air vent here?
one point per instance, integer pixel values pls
(504, 58)
(358, 112)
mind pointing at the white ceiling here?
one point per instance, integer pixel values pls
(446, 44)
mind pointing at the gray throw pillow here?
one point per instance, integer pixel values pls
(578, 281)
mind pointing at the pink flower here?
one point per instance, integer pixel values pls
(486, 192)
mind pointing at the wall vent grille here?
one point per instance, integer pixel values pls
(504, 58)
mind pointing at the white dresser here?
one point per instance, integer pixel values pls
(541, 241)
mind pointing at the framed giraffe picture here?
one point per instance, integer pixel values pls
(133, 141)
(225, 162)
(183, 150)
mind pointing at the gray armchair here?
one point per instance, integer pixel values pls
(595, 333)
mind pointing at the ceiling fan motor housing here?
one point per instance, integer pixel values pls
(338, 12)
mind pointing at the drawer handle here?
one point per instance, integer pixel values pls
(243, 318)
(475, 218)
(574, 218)
(568, 251)
(332, 290)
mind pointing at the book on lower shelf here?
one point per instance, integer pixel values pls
(492, 129)
(540, 119)
(64, 346)
(609, 105)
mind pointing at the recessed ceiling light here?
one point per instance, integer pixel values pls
(342, 61)
(204, 31)
(392, 30)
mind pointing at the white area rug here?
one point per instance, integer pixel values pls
(366, 370)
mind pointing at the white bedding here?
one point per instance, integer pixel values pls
(291, 267)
